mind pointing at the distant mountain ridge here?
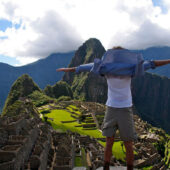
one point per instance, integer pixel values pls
(42, 71)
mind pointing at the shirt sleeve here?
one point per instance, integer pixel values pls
(84, 68)
(149, 64)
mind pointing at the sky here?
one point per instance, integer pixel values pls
(33, 29)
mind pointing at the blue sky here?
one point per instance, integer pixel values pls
(160, 4)
(9, 60)
(31, 30)
(4, 24)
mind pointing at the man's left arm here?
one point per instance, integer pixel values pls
(155, 63)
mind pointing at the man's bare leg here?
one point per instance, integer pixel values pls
(129, 154)
(108, 152)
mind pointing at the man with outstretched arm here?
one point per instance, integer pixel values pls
(118, 65)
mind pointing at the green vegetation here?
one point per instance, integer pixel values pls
(62, 115)
(147, 168)
(163, 145)
(15, 109)
(167, 152)
(22, 87)
(117, 150)
(64, 98)
(160, 146)
(78, 86)
(39, 99)
(74, 109)
(20, 107)
(80, 160)
(61, 88)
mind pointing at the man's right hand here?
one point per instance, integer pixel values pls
(72, 69)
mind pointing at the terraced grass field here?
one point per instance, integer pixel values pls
(67, 119)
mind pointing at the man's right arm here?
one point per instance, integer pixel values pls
(78, 69)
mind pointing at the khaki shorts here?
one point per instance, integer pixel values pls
(122, 119)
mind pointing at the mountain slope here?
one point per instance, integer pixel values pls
(43, 72)
(151, 97)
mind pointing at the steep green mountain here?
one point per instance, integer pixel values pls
(22, 87)
(87, 86)
(43, 72)
(151, 97)
(151, 93)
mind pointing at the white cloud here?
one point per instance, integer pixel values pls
(147, 35)
(53, 34)
(39, 36)
(149, 27)
(49, 26)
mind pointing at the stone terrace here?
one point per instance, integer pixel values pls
(28, 143)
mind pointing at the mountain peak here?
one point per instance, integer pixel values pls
(86, 53)
(93, 42)
(26, 83)
(22, 87)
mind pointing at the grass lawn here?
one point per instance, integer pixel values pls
(147, 168)
(72, 108)
(63, 115)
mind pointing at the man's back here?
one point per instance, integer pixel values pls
(119, 92)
